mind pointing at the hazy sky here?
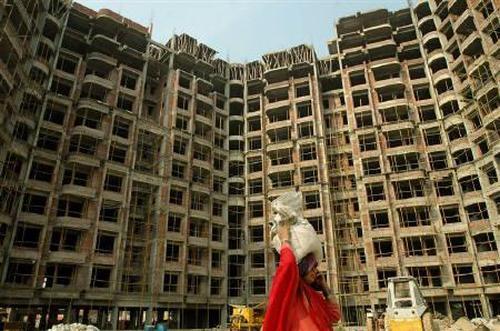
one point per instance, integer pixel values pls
(244, 30)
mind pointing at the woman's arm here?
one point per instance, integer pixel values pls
(284, 288)
(330, 298)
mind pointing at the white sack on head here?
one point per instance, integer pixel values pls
(304, 240)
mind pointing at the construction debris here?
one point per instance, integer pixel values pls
(73, 327)
(464, 324)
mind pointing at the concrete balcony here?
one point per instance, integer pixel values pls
(204, 99)
(411, 202)
(236, 156)
(386, 63)
(202, 214)
(272, 146)
(492, 119)
(24, 253)
(67, 257)
(407, 175)
(77, 190)
(204, 188)
(114, 196)
(198, 241)
(61, 292)
(33, 218)
(417, 261)
(388, 83)
(353, 48)
(276, 191)
(94, 105)
(476, 63)
(389, 45)
(381, 233)
(454, 227)
(463, 257)
(389, 261)
(73, 222)
(109, 226)
(205, 120)
(101, 41)
(49, 43)
(425, 20)
(277, 104)
(417, 230)
(76, 35)
(21, 148)
(105, 259)
(378, 30)
(393, 103)
(480, 226)
(85, 159)
(464, 22)
(238, 118)
(236, 100)
(93, 79)
(429, 36)
(486, 257)
(440, 75)
(43, 66)
(39, 185)
(278, 124)
(279, 168)
(447, 97)
(472, 44)
(276, 86)
(86, 131)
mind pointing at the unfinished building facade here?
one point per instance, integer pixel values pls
(136, 177)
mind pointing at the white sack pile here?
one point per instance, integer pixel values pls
(73, 327)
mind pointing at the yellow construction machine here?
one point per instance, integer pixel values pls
(406, 309)
(247, 318)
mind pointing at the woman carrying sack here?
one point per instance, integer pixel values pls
(295, 302)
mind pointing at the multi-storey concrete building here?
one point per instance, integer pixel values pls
(136, 178)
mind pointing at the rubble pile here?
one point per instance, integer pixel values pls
(442, 322)
(73, 327)
(476, 324)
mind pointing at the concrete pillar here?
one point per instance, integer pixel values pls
(114, 318)
(85, 318)
(69, 314)
(101, 317)
(485, 307)
(134, 321)
(223, 317)
(149, 316)
(52, 316)
(43, 318)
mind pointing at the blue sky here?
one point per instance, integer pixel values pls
(244, 30)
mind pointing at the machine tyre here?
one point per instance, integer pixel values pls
(427, 321)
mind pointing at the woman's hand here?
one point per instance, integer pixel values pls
(321, 284)
(284, 231)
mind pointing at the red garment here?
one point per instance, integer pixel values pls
(289, 293)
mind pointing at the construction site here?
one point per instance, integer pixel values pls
(136, 177)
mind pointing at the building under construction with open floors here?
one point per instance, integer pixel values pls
(136, 177)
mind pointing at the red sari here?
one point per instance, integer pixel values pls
(294, 305)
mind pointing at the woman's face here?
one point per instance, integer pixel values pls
(311, 276)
